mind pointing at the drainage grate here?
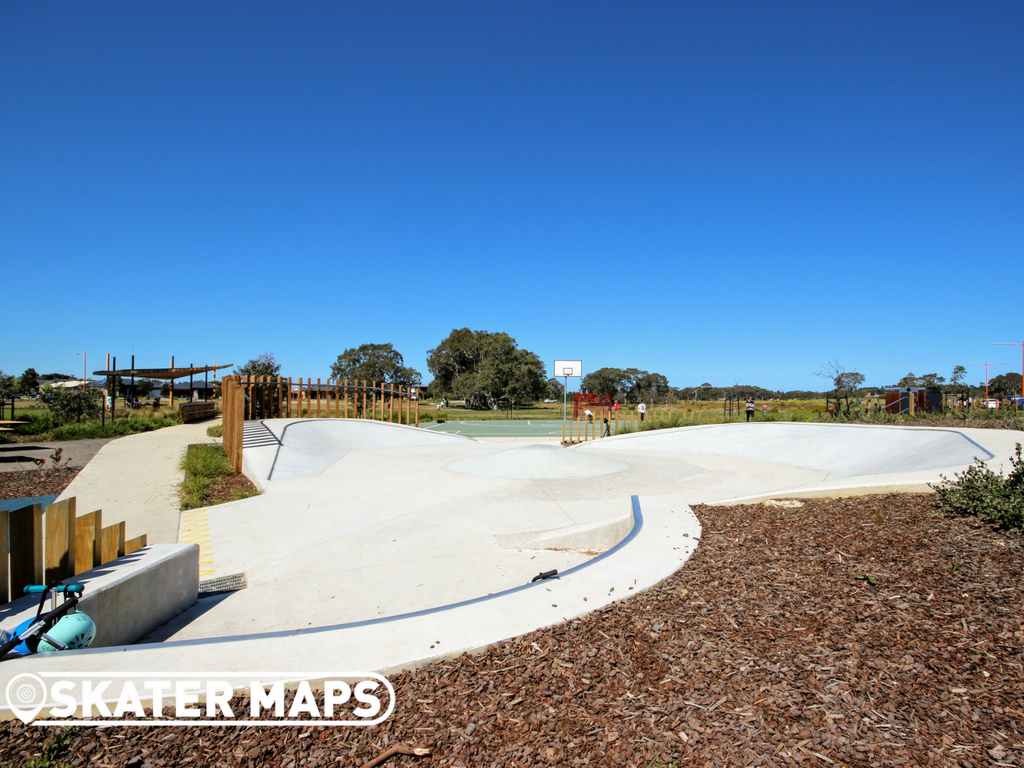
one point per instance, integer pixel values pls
(221, 584)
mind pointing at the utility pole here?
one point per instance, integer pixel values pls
(85, 358)
(1021, 345)
(986, 376)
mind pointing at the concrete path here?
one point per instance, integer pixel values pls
(136, 478)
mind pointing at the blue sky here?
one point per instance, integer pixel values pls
(722, 192)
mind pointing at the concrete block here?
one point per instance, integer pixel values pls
(131, 596)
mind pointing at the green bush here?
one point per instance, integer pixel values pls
(65, 404)
(980, 492)
(215, 431)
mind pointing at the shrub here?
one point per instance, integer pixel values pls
(65, 404)
(980, 492)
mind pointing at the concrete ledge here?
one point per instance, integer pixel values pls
(599, 536)
(131, 596)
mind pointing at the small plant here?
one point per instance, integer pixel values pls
(879, 519)
(215, 431)
(954, 564)
(980, 492)
(867, 577)
(60, 464)
(54, 751)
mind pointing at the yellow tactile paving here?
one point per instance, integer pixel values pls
(194, 528)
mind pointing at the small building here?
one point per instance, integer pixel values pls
(912, 399)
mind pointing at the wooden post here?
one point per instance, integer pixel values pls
(563, 433)
(417, 406)
(26, 542)
(364, 399)
(87, 537)
(59, 541)
(134, 545)
(344, 392)
(111, 542)
(115, 391)
(317, 396)
(5, 577)
(280, 397)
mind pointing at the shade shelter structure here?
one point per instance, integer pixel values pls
(172, 373)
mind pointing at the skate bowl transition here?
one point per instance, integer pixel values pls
(380, 547)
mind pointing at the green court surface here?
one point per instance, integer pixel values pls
(496, 428)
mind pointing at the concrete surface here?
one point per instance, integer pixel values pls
(384, 558)
(129, 597)
(536, 462)
(136, 478)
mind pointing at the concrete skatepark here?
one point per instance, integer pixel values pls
(377, 547)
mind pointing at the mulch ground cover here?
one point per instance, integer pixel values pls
(229, 488)
(864, 631)
(27, 483)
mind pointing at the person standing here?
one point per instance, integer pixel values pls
(642, 410)
(750, 408)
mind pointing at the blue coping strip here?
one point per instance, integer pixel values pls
(13, 504)
(638, 523)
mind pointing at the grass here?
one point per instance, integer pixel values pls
(215, 431)
(203, 466)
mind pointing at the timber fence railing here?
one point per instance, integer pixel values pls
(40, 546)
(265, 397)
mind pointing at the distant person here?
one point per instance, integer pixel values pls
(750, 408)
(642, 410)
(583, 390)
(589, 414)
(616, 405)
(764, 409)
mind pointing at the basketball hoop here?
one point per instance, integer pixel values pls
(568, 369)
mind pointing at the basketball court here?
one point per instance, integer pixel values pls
(501, 428)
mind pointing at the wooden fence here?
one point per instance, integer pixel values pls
(582, 430)
(265, 397)
(39, 547)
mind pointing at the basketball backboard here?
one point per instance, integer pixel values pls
(568, 368)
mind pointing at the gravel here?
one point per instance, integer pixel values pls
(864, 631)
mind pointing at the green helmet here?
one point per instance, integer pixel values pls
(75, 630)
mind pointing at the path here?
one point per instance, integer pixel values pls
(136, 478)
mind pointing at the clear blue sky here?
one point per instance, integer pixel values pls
(722, 192)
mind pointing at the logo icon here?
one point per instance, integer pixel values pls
(26, 694)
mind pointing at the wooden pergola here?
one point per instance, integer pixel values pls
(171, 373)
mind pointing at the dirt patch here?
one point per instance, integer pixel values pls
(769, 647)
(28, 483)
(229, 488)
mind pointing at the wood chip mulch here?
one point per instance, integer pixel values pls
(227, 488)
(771, 646)
(30, 482)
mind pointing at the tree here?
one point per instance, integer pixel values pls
(650, 386)
(959, 374)
(630, 384)
(930, 380)
(555, 389)
(67, 402)
(8, 386)
(374, 362)
(844, 382)
(484, 367)
(264, 365)
(29, 381)
(1004, 385)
